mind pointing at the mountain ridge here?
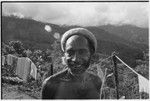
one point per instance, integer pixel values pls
(34, 36)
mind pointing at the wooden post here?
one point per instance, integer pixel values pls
(52, 69)
(103, 82)
(116, 74)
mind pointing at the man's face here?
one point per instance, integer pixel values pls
(77, 54)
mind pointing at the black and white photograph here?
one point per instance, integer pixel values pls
(73, 50)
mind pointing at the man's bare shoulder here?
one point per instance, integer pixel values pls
(93, 77)
(56, 77)
(51, 84)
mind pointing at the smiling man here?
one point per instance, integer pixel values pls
(74, 82)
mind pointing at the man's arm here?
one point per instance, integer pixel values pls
(48, 91)
(98, 84)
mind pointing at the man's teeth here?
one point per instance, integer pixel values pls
(78, 66)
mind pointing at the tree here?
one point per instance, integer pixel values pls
(18, 46)
(56, 56)
(47, 55)
(6, 49)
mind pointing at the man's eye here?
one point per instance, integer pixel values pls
(70, 52)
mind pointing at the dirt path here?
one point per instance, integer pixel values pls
(12, 92)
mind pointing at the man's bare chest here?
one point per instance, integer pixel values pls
(76, 90)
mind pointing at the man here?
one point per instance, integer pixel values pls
(74, 82)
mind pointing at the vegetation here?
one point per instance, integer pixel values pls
(27, 38)
(34, 37)
(128, 81)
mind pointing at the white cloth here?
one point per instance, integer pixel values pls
(143, 84)
(19, 68)
(9, 59)
(3, 60)
(33, 72)
(23, 68)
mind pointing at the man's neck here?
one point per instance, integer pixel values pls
(76, 76)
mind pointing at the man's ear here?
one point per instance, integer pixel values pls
(63, 60)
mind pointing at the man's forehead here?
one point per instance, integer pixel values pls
(77, 41)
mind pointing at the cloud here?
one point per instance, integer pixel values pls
(83, 14)
(56, 35)
(48, 28)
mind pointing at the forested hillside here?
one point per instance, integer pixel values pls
(28, 38)
(34, 36)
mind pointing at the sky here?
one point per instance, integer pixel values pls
(82, 13)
